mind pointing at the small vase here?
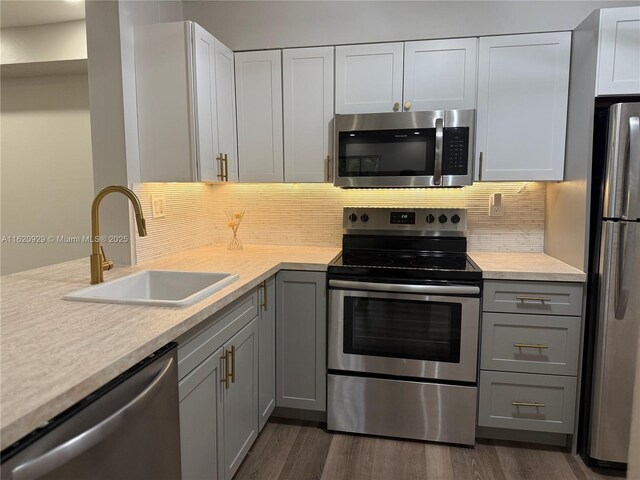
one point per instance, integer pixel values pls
(235, 243)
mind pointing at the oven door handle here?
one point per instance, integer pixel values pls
(403, 288)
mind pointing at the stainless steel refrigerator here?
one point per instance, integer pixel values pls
(613, 322)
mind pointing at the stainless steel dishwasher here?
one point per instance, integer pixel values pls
(127, 429)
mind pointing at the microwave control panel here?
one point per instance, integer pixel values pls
(455, 151)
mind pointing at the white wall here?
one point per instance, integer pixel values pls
(46, 180)
(112, 91)
(44, 43)
(244, 25)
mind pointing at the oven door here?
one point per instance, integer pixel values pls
(406, 335)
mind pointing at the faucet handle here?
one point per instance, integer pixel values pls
(106, 264)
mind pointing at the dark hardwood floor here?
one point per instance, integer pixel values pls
(296, 450)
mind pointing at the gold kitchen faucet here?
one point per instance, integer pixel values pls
(98, 261)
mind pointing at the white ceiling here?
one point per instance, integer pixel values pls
(20, 13)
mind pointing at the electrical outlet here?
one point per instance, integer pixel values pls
(158, 205)
(496, 208)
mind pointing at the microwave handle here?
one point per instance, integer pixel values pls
(437, 166)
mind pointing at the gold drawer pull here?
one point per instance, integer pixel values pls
(233, 363)
(264, 296)
(530, 345)
(533, 299)
(225, 380)
(528, 404)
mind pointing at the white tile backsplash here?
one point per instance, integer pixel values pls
(311, 214)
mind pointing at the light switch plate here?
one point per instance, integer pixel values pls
(158, 206)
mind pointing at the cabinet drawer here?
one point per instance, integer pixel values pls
(544, 403)
(196, 347)
(547, 298)
(530, 343)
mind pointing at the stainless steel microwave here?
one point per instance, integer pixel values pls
(407, 149)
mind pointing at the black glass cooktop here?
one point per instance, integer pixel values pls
(425, 259)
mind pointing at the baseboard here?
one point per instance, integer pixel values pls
(298, 414)
(545, 438)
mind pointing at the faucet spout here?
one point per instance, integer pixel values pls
(98, 261)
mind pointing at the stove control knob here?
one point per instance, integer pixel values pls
(455, 218)
(442, 218)
(364, 217)
(353, 217)
(431, 218)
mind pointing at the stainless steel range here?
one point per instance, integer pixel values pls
(404, 312)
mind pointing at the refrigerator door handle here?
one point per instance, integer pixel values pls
(74, 447)
(625, 262)
(633, 178)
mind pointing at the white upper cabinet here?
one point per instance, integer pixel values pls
(227, 152)
(308, 113)
(205, 98)
(259, 104)
(440, 74)
(369, 78)
(522, 106)
(185, 104)
(619, 51)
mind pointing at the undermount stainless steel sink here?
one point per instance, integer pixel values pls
(155, 287)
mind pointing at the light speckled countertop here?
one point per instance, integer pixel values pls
(55, 352)
(525, 266)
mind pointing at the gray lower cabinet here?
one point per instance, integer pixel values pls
(239, 389)
(301, 340)
(218, 391)
(267, 351)
(544, 403)
(200, 416)
(529, 355)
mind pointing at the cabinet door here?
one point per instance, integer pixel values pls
(308, 113)
(226, 108)
(267, 351)
(523, 85)
(200, 416)
(369, 78)
(440, 74)
(164, 100)
(619, 51)
(241, 397)
(259, 102)
(205, 103)
(301, 340)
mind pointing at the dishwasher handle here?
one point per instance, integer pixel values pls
(404, 288)
(79, 444)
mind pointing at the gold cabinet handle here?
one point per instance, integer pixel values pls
(220, 174)
(528, 404)
(481, 164)
(225, 380)
(407, 106)
(328, 168)
(524, 298)
(396, 106)
(530, 345)
(264, 296)
(233, 363)
(225, 159)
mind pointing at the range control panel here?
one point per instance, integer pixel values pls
(405, 221)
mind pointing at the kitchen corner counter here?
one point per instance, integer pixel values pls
(525, 266)
(55, 352)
